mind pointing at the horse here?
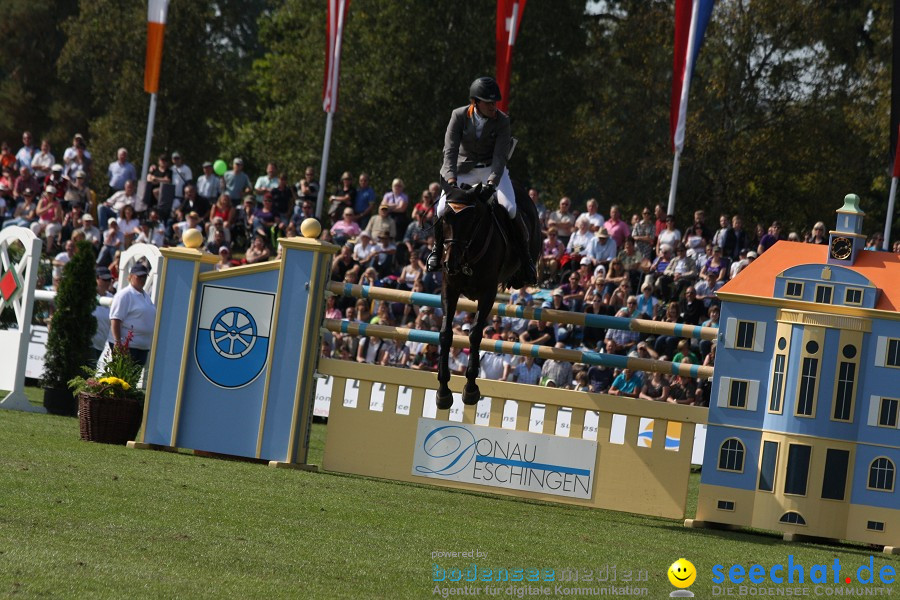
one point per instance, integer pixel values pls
(478, 260)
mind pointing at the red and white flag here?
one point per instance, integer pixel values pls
(157, 11)
(509, 17)
(691, 19)
(337, 12)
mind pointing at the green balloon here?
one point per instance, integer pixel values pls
(220, 167)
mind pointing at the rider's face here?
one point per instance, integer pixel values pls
(488, 109)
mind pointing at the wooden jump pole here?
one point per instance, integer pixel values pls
(501, 347)
(540, 314)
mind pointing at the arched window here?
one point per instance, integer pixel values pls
(881, 474)
(731, 455)
(792, 518)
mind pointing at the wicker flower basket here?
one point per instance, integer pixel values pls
(109, 420)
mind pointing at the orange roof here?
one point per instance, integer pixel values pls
(758, 278)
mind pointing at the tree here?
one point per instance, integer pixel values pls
(207, 53)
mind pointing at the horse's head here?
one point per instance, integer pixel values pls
(466, 210)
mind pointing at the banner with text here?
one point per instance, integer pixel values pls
(501, 458)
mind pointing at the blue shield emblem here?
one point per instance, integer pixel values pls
(233, 331)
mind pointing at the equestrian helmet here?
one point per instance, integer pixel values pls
(485, 89)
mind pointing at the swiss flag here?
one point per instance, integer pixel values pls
(509, 17)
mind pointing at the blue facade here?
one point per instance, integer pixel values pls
(813, 367)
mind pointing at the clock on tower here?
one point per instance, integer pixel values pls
(847, 239)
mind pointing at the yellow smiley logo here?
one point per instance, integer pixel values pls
(682, 573)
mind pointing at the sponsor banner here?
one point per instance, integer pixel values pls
(37, 348)
(510, 411)
(514, 460)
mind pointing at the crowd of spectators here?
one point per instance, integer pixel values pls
(646, 265)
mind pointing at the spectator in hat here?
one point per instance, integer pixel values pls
(382, 221)
(209, 185)
(101, 313)
(57, 181)
(224, 258)
(78, 193)
(181, 175)
(385, 250)
(24, 213)
(132, 315)
(90, 231)
(237, 183)
(604, 249)
(78, 143)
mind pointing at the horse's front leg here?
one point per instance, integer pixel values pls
(471, 393)
(449, 299)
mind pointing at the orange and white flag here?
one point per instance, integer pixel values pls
(156, 28)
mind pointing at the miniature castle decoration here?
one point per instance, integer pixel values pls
(803, 432)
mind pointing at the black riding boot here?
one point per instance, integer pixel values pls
(433, 264)
(520, 233)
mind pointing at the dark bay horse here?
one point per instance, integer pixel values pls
(478, 259)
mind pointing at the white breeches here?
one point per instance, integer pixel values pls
(505, 194)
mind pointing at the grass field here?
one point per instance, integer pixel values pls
(80, 520)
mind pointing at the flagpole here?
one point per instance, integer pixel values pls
(326, 149)
(890, 214)
(676, 163)
(682, 106)
(151, 120)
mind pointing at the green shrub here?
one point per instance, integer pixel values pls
(73, 324)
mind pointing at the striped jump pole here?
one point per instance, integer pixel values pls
(522, 312)
(501, 347)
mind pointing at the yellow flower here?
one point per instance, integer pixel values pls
(115, 381)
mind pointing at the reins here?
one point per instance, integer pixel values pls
(467, 261)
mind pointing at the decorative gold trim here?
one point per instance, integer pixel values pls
(304, 368)
(826, 275)
(265, 397)
(185, 352)
(800, 317)
(180, 253)
(873, 313)
(302, 243)
(160, 295)
(766, 432)
(265, 267)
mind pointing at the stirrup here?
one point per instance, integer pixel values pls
(433, 262)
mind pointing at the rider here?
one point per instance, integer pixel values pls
(476, 147)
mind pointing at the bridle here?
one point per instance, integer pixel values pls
(466, 245)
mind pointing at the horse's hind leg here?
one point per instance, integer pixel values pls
(471, 394)
(449, 301)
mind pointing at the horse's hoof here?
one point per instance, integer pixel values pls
(471, 396)
(444, 401)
